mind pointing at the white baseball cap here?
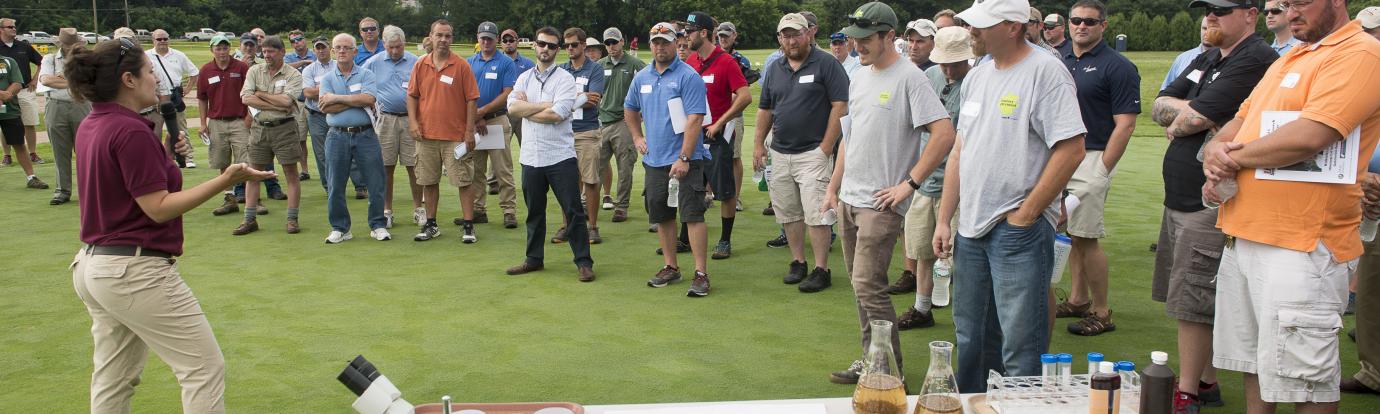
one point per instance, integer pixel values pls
(987, 13)
(923, 27)
(1369, 17)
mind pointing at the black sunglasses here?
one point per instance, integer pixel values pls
(573, 45)
(1274, 11)
(1221, 11)
(611, 42)
(546, 45)
(862, 22)
(1084, 21)
(161, 39)
(507, 39)
(370, 29)
(1051, 26)
(125, 46)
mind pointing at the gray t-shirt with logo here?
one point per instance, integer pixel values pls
(1009, 121)
(889, 110)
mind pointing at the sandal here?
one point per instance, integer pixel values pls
(1093, 325)
(1068, 310)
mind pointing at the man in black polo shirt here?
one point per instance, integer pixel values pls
(1109, 100)
(1205, 96)
(802, 99)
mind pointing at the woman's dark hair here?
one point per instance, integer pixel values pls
(94, 75)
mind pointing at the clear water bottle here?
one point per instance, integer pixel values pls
(673, 193)
(1063, 245)
(830, 217)
(762, 177)
(1368, 228)
(943, 273)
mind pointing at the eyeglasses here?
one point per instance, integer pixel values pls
(573, 45)
(611, 42)
(294, 39)
(1221, 11)
(509, 40)
(342, 48)
(1084, 21)
(1286, 5)
(1274, 11)
(6, 27)
(161, 39)
(125, 46)
(369, 29)
(1051, 26)
(656, 30)
(546, 45)
(863, 22)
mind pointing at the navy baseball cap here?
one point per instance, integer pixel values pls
(838, 37)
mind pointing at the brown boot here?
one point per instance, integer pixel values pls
(246, 227)
(230, 206)
(292, 227)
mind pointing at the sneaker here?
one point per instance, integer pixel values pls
(509, 220)
(818, 280)
(608, 203)
(769, 212)
(680, 248)
(303, 177)
(419, 215)
(60, 197)
(848, 376)
(795, 274)
(1185, 403)
(723, 250)
(480, 218)
(594, 236)
(699, 286)
(337, 237)
(1212, 395)
(1093, 325)
(190, 163)
(468, 237)
(653, 228)
(33, 157)
(428, 232)
(940, 295)
(36, 183)
(8, 161)
(380, 234)
(561, 236)
(739, 207)
(277, 195)
(914, 318)
(905, 284)
(230, 206)
(361, 194)
(778, 242)
(293, 227)
(388, 219)
(667, 275)
(620, 216)
(246, 227)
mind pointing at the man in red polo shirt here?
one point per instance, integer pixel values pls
(223, 113)
(728, 93)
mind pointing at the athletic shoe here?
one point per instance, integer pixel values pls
(380, 234)
(667, 275)
(190, 163)
(778, 242)
(795, 274)
(36, 183)
(561, 236)
(388, 219)
(428, 232)
(1212, 395)
(33, 156)
(914, 318)
(722, 251)
(7, 161)
(608, 203)
(848, 376)
(680, 248)
(468, 237)
(818, 280)
(699, 286)
(336, 237)
(594, 236)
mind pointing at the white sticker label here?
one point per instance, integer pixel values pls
(582, 81)
(708, 79)
(404, 85)
(447, 80)
(1290, 80)
(646, 89)
(356, 87)
(4, 71)
(319, 79)
(578, 114)
(1195, 75)
(214, 80)
(280, 83)
(807, 79)
(490, 75)
(608, 72)
(970, 110)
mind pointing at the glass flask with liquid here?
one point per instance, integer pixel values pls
(939, 395)
(881, 387)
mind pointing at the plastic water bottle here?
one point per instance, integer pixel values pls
(830, 217)
(762, 177)
(1368, 228)
(1062, 246)
(673, 193)
(943, 273)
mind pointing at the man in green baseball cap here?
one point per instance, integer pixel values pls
(218, 39)
(870, 18)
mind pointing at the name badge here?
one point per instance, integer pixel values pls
(356, 87)
(646, 89)
(1290, 80)
(582, 81)
(490, 75)
(1195, 75)
(708, 79)
(608, 72)
(807, 79)
(214, 80)
(404, 86)
(447, 80)
(280, 83)
(319, 79)
(970, 109)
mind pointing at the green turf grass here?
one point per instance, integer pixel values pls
(441, 318)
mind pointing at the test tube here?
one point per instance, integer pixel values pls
(1049, 369)
(1094, 359)
(1065, 370)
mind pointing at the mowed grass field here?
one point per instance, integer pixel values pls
(440, 317)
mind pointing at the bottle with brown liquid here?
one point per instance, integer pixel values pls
(881, 388)
(939, 395)
(1104, 391)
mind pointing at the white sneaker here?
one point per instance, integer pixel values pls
(740, 205)
(388, 219)
(190, 163)
(337, 237)
(380, 234)
(419, 215)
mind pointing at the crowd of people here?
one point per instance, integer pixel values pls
(972, 138)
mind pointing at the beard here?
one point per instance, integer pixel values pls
(1319, 28)
(1214, 37)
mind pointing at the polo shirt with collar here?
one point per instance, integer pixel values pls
(651, 93)
(547, 144)
(618, 75)
(588, 78)
(1281, 49)
(293, 57)
(721, 76)
(220, 89)
(801, 100)
(1108, 84)
(312, 75)
(522, 63)
(442, 97)
(177, 64)
(287, 81)
(362, 53)
(390, 80)
(359, 80)
(492, 75)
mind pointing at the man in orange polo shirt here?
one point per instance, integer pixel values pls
(1282, 283)
(440, 116)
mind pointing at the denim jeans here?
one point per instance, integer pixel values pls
(316, 123)
(563, 178)
(1001, 288)
(361, 149)
(270, 185)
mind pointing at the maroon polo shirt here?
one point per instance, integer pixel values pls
(119, 159)
(222, 88)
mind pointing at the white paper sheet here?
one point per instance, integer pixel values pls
(460, 151)
(491, 140)
(728, 131)
(733, 409)
(677, 111)
(845, 126)
(1335, 164)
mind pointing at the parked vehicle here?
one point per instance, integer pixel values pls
(38, 38)
(92, 38)
(143, 36)
(204, 34)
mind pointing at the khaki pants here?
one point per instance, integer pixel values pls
(869, 238)
(63, 119)
(1368, 316)
(616, 143)
(141, 303)
(503, 171)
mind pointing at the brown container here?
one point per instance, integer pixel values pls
(501, 408)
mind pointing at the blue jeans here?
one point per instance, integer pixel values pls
(316, 124)
(1001, 288)
(361, 148)
(270, 185)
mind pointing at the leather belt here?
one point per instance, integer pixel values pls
(401, 114)
(274, 123)
(493, 115)
(126, 251)
(229, 118)
(354, 129)
(315, 112)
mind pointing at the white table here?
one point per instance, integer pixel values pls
(842, 405)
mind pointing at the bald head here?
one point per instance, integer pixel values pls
(161, 46)
(344, 49)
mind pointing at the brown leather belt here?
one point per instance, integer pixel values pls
(274, 123)
(126, 251)
(493, 115)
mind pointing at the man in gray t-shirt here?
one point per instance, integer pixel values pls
(880, 164)
(1014, 156)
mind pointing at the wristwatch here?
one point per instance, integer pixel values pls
(684, 158)
(913, 185)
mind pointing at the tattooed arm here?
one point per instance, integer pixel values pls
(1178, 118)
(1166, 109)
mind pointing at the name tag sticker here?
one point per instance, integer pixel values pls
(708, 79)
(280, 83)
(608, 72)
(404, 85)
(1195, 75)
(582, 81)
(1290, 80)
(214, 80)
(970, 108)
(646, 89)
(490, 75)
(447, 80)
(807, 79)
(4, 71)
(320, 78)
(356, 87)
(884, 98)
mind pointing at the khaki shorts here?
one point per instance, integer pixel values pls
(302, 127)
(1186, 259)
(281, 142)
(798, 184)
(738, 139)
(433, 155)
(1091, 183)
(587, 147)
(229, 142)
(920, 225)
(396, 141)
(28, 108)
(1280, 316)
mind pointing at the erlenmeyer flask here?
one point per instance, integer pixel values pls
(939, 395)
(881, 389)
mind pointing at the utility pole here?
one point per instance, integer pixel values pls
(94, 25)
(126, 13)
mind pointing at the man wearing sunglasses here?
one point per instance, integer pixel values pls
(1053, 32)
(170, 66)
(1198, 102)
(589, 83)
(509, 40)
(1277, 24)
(495, 74)
(728, 93)
(369, 34)
(25, 55)
(1019, 143)
(299, 57)
(614, 137)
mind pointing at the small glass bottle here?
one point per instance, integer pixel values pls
(939, 395)
(881, 387)
(1104, 391)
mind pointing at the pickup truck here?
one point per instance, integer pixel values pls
(203, 35)
(38, 38)
(92, 38)
(143, 36)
